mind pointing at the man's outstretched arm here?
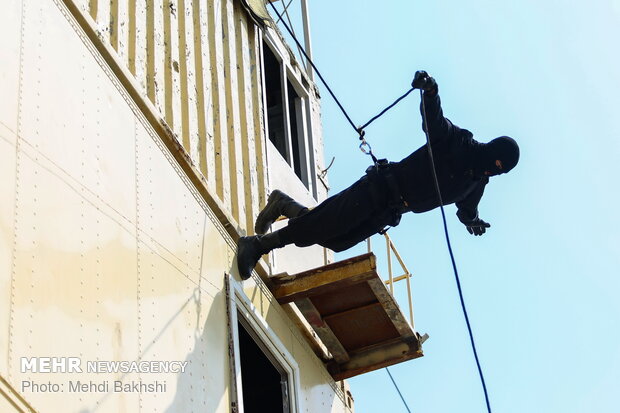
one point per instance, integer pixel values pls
(468, 210)
(438, 127)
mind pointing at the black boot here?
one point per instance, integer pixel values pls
(278, 204)
(250, 249)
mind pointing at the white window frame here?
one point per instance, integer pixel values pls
(303, 112)
(239, 303)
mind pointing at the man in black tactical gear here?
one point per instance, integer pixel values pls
(388, 190)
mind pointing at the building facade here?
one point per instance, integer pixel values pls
(139, 140)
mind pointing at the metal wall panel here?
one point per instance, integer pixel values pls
(8, 193)
(198, 62)
(107, 250)
(10, 33)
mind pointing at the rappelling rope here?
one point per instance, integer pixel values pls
(398, 390)
(456, 272)
(364, 146)
(367, 149)
(385, 110)
(361, 131)
(301, 49)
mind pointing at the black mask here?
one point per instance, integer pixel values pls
(504, 149)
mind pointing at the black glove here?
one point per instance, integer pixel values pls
(477, 226)
(423, 81)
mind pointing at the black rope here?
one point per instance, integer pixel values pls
(398, 390)
(346, 115)
(359, 130)
(456, 273)
(385, 110)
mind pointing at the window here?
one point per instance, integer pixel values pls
(275, 109)
(264, 381)
(264, 375)
(287, 114)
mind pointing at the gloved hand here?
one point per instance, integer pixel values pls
(423, 81)
(477, 226)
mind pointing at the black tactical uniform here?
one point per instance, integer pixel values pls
(388, 190)
(378, 198)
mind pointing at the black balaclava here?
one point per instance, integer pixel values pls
(503, 148)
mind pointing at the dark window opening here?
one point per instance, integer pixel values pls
(275, 109)
(288, 116)
(265, 386)
(294, 107)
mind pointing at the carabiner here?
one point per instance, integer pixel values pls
(364, 145)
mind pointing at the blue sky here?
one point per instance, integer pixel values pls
(541, 286)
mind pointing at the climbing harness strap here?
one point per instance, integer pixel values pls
(383, 182)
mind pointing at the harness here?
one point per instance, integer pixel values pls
(382, 178)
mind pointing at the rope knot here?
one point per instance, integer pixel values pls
(361, 132)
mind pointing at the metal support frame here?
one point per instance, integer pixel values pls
(391, 248)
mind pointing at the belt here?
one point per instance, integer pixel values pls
(383, 174)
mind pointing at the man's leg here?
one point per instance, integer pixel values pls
(250, 249)
(334, 219)
(278, 204)
(358, 234)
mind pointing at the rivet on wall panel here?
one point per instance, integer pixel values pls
(16, 208)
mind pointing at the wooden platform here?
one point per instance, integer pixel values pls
(353, 313)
